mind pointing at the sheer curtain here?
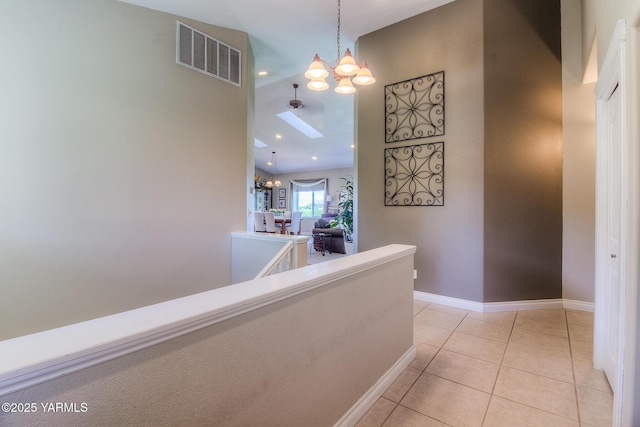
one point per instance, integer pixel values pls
(308, 196)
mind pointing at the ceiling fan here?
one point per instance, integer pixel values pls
(295, 103)
(294, 120)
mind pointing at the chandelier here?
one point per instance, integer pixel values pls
(342, 72)
(270, 182)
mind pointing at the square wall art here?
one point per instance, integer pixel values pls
(414, 175)
(414, 108)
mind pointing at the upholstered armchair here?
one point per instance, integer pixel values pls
(326, 238)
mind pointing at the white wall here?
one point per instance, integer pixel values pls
(600, 18)
(578, 167)
(112, 160)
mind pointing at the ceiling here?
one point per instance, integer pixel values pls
(284, 35)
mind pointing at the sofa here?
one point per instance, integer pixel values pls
(328, 239)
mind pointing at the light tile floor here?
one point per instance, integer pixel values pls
(525, 368)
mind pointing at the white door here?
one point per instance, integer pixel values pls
(615, 201)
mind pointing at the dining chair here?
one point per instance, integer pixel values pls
(258, 222)
(294, 227)
(270, 222)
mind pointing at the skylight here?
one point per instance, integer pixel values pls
(259, 143)
(299, 124)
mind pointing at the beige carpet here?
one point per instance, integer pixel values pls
(316, 257)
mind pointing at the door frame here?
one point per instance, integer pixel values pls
(614, 72)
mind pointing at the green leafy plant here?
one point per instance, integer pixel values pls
(345, 216)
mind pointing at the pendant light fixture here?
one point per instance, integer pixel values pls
(342, 72)
(271, 182)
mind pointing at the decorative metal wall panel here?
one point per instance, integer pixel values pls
(414, 175)
(415, 108)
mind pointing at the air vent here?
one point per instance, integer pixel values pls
(201, 52)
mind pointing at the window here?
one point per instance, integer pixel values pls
(308, 197)
(310, 203)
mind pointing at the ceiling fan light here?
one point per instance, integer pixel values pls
(318, 84)
(345, 86)
(364, 76)
(316, 70)
(347, 65)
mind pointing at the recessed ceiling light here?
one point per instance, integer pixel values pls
(299, 124)
(353, 146)
(262, 73)
(314, 158)
(278, 136)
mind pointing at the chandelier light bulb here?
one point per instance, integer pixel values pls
(364, 76)
(345, 86)
(318, 84)
(269, 184)
(347, 65)
(277, 183)
(316, 70)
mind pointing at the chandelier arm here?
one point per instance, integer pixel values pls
(333, 67)
(338, 36)
(326, 63)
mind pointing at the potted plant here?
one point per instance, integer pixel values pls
(345, 216)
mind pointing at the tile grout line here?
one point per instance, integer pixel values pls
(500, 367)
(396, 404)
(387, 417)
(423, 414)
(524, 404)
(573, 369)
(442, 347)
(493, 389)
(461, 354)
(422, 372)
(539, 375)
(414, 381)
(541, 410)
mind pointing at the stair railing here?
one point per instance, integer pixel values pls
(282, 261)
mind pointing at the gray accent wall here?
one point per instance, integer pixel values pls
(449, 238)
(498, 236)
(523, 150)
(113, 161)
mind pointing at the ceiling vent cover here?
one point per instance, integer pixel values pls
(201, 52)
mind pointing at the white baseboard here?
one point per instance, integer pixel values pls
(505, 305)
(537, 304)
(572, 304)
(450, 301)
(361, 407)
